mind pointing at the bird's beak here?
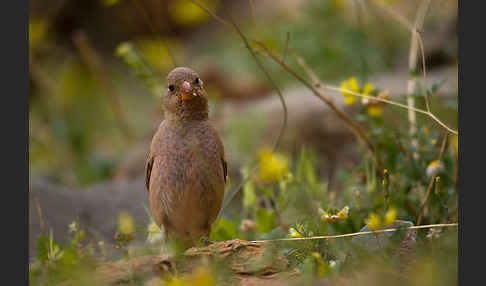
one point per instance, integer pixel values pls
(186, 91)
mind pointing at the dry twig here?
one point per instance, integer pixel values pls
(358, 233)
(233, 192)
(355, 128)
(431, 182)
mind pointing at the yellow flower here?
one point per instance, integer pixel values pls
(294, 233)
(339, 4)
(454, 139)
(390, 217)
(368, 88)
(352, 85)
(109, 3)
(37, 32)
(437, 182)
(156, 52)
(343, 213)
(349, 99)
(321, 267)
(375, 110)
(202, 277)
(125, 223)
(273, 166)
(331, 216)
(186, 13)
(373, 221)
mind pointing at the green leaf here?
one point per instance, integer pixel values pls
(265, 220)
(267, 192)
(223, 230)
(249, 196)
(42, 248)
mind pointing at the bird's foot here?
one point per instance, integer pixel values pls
(205, 241)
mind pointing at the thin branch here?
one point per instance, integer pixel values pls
(313, 76)
(426, 93)
(318, 84)
(287, 40)
(412, 66)
(210, 13)
(431, 182)
(394, 14)
(357, 130)
(414, 29)
(267, 74)
(357, 233)
(431, 115)
(412, 59)
(233, 192)
(252, 10)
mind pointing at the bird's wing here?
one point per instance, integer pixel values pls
(148, 170)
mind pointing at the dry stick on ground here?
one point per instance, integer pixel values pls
(431, 182)
(88, 54)
(358, 233)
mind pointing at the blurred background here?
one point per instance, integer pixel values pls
(97, 75)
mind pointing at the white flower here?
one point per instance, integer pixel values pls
(434, 168)
(154, 234)
(434, 233)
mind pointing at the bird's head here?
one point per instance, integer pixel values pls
(186, 98)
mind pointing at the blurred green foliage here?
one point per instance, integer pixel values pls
(74, 138)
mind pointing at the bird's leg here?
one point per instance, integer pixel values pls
(164, 249)
(165, 260)
(204, 240)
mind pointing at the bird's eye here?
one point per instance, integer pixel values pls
(171, 88)
(196, 81)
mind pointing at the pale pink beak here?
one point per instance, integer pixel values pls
(186, 91)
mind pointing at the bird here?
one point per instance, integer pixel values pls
(186, 170)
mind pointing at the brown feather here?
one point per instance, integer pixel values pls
(186, 171)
